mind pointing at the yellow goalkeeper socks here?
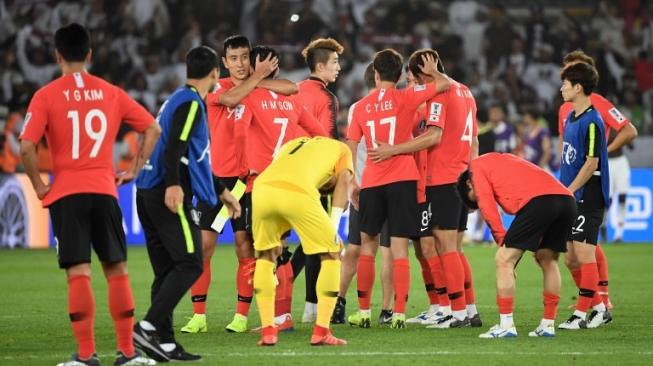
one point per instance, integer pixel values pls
(265, 288)
(327, 285)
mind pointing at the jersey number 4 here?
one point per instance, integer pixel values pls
(469, 127)
(95, 135)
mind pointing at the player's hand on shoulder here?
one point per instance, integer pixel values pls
(233, 206)
(174, 198)
(383, 151)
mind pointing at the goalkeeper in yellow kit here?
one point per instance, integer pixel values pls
(287, 195)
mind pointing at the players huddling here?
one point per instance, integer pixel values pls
(264, 153)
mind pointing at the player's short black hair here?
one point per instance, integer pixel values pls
(415, 60)
(235, 41)
(319, 51)
(200, 61)
(388, 63)
(463, 189)
(368, 77)
(262, 52)
(73, 42)
(581, 73)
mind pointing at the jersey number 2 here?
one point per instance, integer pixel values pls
(97, 136)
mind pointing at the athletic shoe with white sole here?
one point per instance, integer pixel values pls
(573, 323)
(543, 331)
(497, 332)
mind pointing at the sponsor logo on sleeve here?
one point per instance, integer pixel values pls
(434, 113)
(616, 114)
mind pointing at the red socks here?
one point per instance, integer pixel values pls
(427, 276)
(365, 281)
(506, 304)
(437, 272)
(401, 283)
(468, 284)
(200, 289)
(245, 284)
(81, 309)
(602, 263)
(575, 274)
(121, 307)
(550, 305)
(588, 282)
(455, 275)
(283, 300)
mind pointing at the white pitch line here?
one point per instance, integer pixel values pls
(431, 353)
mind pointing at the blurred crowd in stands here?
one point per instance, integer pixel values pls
(508, 52)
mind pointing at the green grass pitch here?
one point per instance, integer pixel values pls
(34, 328)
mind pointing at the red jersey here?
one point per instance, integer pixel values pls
(80, 115)
(388, 115)
(454, 111)
(227, 149)
(421, 156)
(272, 120)
(612, 117)
(320, 102)
(511, 182)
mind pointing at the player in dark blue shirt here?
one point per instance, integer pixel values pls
(584, 170)
(178, 170)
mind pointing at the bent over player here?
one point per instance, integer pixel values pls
(287, 195)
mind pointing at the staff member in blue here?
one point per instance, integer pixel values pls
(584, 170)
(178, 169)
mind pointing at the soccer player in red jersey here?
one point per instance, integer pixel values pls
(626, 133)
(389, 188)
(228, 163)
(424, 243)
(87, 112)
(451, 121)
(544, 213)
(321, 56)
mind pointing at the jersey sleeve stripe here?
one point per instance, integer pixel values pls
(592, 133)
(185, 228)
(189, 121)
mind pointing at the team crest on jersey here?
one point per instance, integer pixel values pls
(419, 88)
(434, 114)
(614, 112)
(568, 153)
(236, 112)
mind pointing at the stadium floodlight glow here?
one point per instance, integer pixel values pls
(294, 18)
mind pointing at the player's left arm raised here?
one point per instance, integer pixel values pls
(279, 86)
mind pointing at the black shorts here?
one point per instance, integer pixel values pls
(246, 205)
(448, 212)
(208, 212)
(390, 202)
(590, 213)
(544, 222)
(80, 221)
(424, 219)
(170, 238)
(354, 236)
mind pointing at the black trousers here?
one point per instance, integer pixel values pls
(174, 245)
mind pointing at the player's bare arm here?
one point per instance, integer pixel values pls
(384, 151)
(30, 162)
(585, 173)
(280, 86)
(474, 150)
(625, 136)
(150, 137)
(232, 204)
(236, 94)
(354, 189)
